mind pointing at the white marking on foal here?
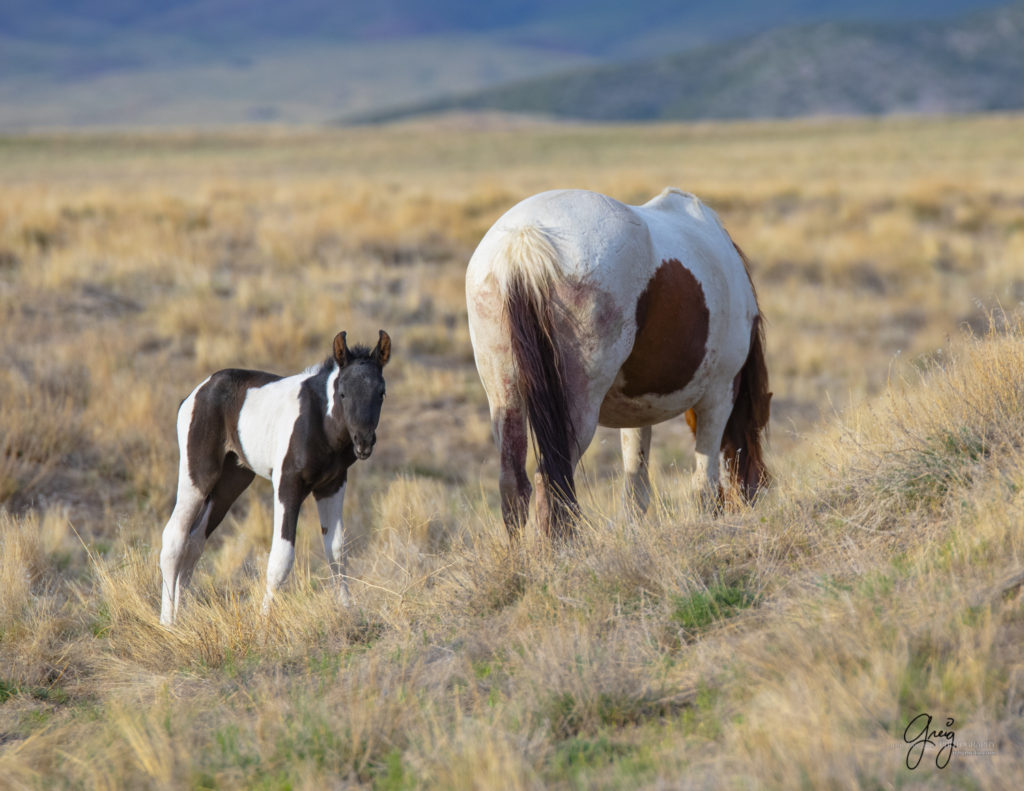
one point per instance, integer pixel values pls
(282, 552)
(331, 381)
(276, 406)
(187, 503)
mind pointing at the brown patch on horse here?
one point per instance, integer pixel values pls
(672, 333)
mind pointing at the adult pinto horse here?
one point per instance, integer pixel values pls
(584, 311)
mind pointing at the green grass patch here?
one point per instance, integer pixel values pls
(702, 718)
(55, 695)
(927, 475)
(393, 775)
(698, 610)
(580, 755)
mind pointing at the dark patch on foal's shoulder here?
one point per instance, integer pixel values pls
(213, 432)
(672, 320)
(314, 461)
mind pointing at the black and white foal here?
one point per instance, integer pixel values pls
(302, 432)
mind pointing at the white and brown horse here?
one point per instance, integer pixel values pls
(302, 432)
(584, 311)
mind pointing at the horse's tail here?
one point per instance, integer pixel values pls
(741, 441)
(530, 272)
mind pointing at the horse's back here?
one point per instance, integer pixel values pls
(684, 228)
(693, 317)
(602, 241)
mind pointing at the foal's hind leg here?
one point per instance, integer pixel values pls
(232, 482)
(636, 451)
(191, 510)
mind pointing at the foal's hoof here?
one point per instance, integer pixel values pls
(344, 597)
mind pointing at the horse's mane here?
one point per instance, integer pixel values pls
(746, 268)
(741, 441)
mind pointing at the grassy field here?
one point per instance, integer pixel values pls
(788, 645)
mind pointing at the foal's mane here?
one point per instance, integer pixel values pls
(358, 353)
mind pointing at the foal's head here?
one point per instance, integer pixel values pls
(359, 389)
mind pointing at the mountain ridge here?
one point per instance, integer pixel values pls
(116, 63)
(971, 64)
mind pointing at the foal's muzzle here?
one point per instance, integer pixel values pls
(364, 446)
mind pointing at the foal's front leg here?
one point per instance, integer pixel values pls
(329, 507)
(288, 497)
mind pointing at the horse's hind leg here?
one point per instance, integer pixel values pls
(636, 450)
(509, 427)
(191, 510)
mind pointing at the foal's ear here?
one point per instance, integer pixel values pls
(340, 349)
(383, 351)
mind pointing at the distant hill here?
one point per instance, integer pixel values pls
(186, 62)
(972, 63)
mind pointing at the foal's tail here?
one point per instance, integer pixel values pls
(741, 442)
(531, 271)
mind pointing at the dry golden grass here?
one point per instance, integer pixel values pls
(784, 646)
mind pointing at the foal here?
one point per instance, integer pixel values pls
(302, 432)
